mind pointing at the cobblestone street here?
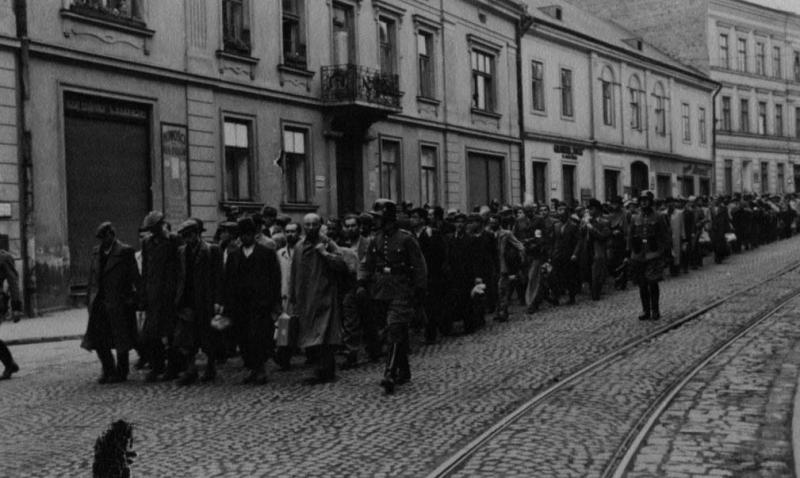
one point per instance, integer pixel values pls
(52, 411)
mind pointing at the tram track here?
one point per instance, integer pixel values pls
(626, 451)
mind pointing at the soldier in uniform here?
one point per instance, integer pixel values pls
(648, 241)
(395, 269)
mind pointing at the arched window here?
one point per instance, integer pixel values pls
(635, 92)
(661, 109)
(607, 87)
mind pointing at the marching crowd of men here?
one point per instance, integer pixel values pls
(268, 288)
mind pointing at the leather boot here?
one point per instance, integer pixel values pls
(644, 296)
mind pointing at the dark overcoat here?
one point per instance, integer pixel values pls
(205, 281)
(159, 284)
(112, 300)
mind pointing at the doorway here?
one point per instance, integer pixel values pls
(640, 178)
(539, 182)
(485, 179)
(568, 184)
(349, 184)
(611, 178)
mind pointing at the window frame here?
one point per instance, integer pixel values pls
(741, 54)
(101, 10)
(797, 125)
(607, 93)
(489, 89)
(701, 125)
(430, 42)
(537, 84)
(686, 122)
(762, 127)
(424, 169)
(744, 115)
(796, 66)
(567, 93)
(777, 62)
(780, 178)
(727, 117)
(308, 158)
(634, 89)
(243, 43)
(296, 57)
(252, 157)
(387, 63)
(398, 182)
(761, 58)
(724, 51)
(660, 109)
(779, 123)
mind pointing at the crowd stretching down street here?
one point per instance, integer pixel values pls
(270, 288)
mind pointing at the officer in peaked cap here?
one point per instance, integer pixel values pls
(395, 271)
(649, 240)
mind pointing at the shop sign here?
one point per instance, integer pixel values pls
(100, 107)
(568, 152)
(174, 153)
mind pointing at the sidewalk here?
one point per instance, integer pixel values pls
(67, 324)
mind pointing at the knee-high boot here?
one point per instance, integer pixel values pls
(8, 362)
(654, 298)
(107, 362)
(644, 296)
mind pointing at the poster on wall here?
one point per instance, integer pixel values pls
(174, 153)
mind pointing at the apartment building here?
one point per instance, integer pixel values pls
(754, 52)
(608, 114)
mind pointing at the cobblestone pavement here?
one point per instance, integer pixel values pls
(576, 431)
(734, 417)
(52, 411)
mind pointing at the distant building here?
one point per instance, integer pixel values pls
(607, 114)
(754, 52)
(197, 107)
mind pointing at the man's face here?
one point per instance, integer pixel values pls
(144, 235)
(292, 233)
(190, 237)
(107, 239)
(544, 211)
(416, 221)
(311, 226)
(248, 239)
(562, 211)
(494, 223)
(351, 228)
(461, 225)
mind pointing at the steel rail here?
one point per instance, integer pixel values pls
(452, 464)
(620, 461)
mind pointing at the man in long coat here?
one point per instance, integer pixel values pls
(566, 251)
(253, 295)
(112, 304)
(317, 269)
(598, 232)
(198, 298)
(158, 287)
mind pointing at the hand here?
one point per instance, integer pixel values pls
(218, 309)
(574, 258)
(361, 293)
(321, 248)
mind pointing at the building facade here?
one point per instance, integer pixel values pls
(609, 115)
(754, 52)
(111, 108)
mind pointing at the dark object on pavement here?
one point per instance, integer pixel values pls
(112, 452)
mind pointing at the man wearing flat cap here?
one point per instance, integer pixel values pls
(112, 304)
(197, 300)
(157, 298)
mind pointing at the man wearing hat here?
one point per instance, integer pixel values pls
(597, 231)
(197, 299)
(158, 287)
(565, 255)
(461, 278)
(434, 250)
(618, 221)
(252, 295)
(648, 242)
(395, 270)
(112, 297)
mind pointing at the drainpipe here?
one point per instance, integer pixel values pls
(717, 89)
(446, 147)
(524, 24)
(25, 160)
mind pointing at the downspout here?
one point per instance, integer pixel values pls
(446, 148)
(24, 152)
(524, 24)
(717, 89)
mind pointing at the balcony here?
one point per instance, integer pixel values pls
(361, 92)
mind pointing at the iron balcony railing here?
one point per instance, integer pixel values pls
(352, 83)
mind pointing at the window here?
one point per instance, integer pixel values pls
(566, 93)
(296, 164)
(797, 127)
(294, 35)
(778, 120)
(780, 180)
(636, 104)
(482, 79)
(762, 117)
(428, 158)
(764, 178)
(425, 55)
(123, 10)
(701, 125)
(686, 122)
(388, 48)
(776, 62)
(537, 85)
(236, 26)
(238, 158)
(796, 66)
(660, 110)
(760, 53)
(608, 102)
(744, 116)
(728, 176)
(687, 186)
(724, 60)
(390, 169)
(343, 35)
(726, 113)
(741, 55)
